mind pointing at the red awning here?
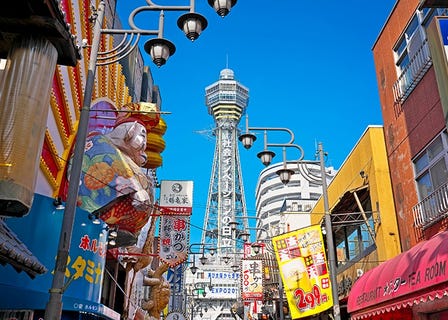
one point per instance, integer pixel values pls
(417, 275)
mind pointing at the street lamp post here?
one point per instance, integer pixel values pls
(160, 49)
(266, 156)
(330, 240)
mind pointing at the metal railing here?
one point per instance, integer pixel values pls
(431, 209)
(413, 73)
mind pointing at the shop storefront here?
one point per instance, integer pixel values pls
(412, 285)
(24, 296)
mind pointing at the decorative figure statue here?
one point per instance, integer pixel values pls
(137, 260)
(160, 292)
(113, 184)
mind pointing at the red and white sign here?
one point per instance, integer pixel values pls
(176, 197)
(252, 279)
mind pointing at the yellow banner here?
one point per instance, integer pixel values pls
(303, 267)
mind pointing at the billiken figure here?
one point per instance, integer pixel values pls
(113, 185)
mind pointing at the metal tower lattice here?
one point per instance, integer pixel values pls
(226, 100)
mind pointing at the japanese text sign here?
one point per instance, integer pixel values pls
(174, 238)
(252, 279)
(176, 197)
(303, 267)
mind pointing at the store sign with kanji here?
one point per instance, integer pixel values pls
(175, 207)
(176, 197)
(303, 267)
(252, 279)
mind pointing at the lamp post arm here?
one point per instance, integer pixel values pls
(289, 131)
(203, 245)
(289, 144)
(154, 7)
(125, 50)
(54, 306)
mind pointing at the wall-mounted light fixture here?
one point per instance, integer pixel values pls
(57, 202)
(256, 247)
(203, 258)
(94, 218)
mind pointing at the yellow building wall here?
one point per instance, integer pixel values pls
(368, 155)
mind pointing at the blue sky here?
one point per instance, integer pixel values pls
(308, 67)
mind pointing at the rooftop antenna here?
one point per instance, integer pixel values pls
(227, 61)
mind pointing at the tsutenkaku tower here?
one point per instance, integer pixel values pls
(226, 101)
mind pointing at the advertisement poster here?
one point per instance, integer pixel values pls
(252, 279)
(303, 267)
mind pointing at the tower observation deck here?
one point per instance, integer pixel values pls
(226, 101)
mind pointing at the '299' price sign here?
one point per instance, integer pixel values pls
(309, 300)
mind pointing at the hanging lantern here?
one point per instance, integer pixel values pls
(25, 101)
(155, 144)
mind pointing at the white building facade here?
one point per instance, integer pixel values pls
(285, 207)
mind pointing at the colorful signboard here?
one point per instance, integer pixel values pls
(175, 276)
(176, 197)
(225, 285)
(303, 267)
(176, 201)
(84, 273)
(174, 237)
(252, 279)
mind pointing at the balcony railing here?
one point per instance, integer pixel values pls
(431, 209)
(413, 73)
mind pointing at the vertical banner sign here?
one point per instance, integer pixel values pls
(437, 34)
(252, 279)
(176, 279)
(175, 205)
(303, 267)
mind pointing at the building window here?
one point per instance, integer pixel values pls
(412, 56)
(431, 167)
(353, 236)
(356, 242)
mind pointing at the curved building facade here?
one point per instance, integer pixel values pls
(286, 207)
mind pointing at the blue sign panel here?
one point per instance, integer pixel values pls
(40, 231)
(444, 30)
